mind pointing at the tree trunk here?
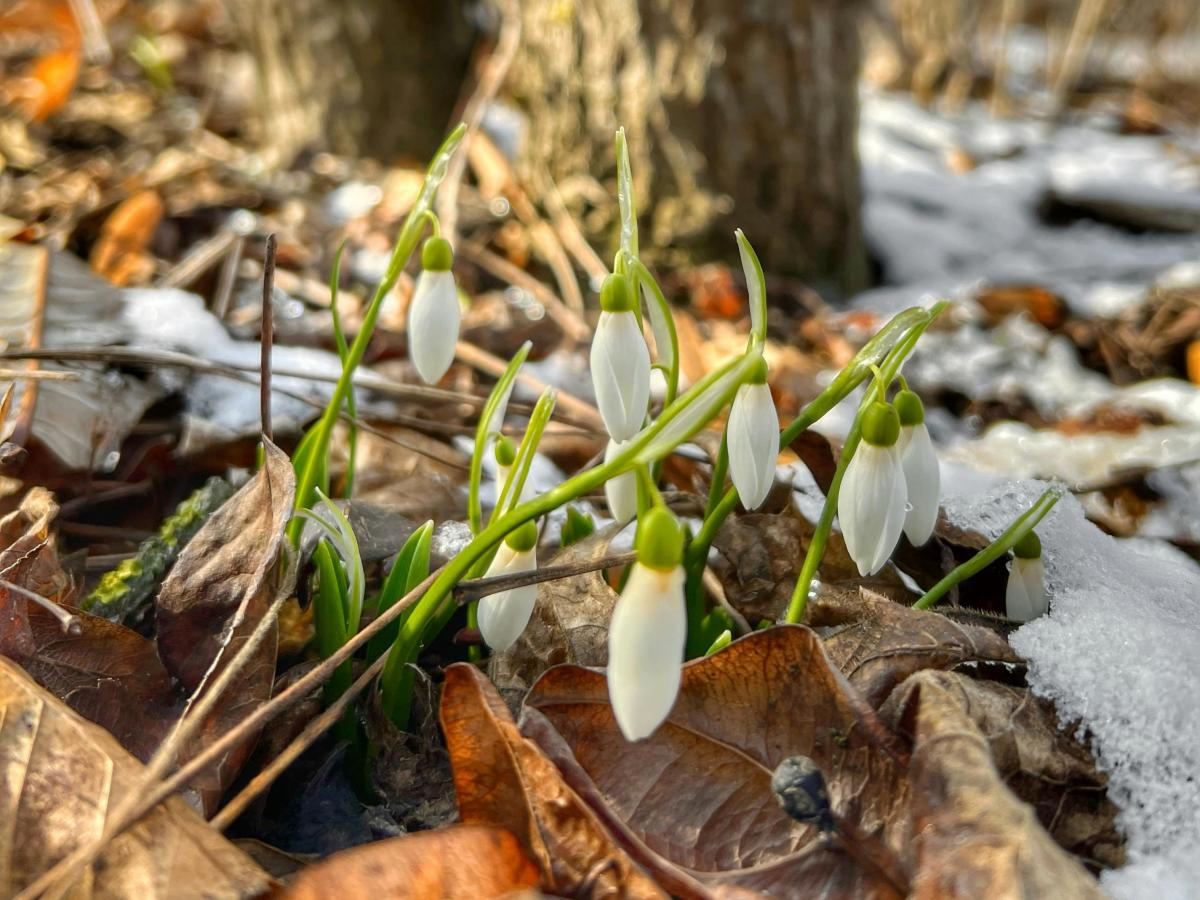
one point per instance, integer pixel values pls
(377, 78)
(739, 113)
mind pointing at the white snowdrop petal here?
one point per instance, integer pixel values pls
(620, 363)
(923, 481)
(871, 506)
(503, 616)
(1025, 596)
(621, 491)
(1034, 573)
(433, 320)
(753, 443)
(645, 649)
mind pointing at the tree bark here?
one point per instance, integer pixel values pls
(378, 78)
(739, 113)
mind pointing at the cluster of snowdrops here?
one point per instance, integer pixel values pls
(886, 482)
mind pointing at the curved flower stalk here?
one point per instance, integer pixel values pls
(1025, 598)
(434, 315)
(649, 629)
(620, 491)
(504, 615)
(921, 474)
(873, 496)
(620, 361)
(753, 439)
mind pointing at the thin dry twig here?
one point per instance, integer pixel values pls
(494, 71)
(70, 624)
(466, 591)
(268, 336)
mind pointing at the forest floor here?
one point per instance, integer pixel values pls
(965, 754)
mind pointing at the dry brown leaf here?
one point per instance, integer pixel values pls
(971, 837)
(47, 83)
(62, 776)
(504, 781)
(569, 623)
(217, 592)
(760, 555)
(464, 862)
(118, 253)
(878, 643)
(107, 673)
(1038, 761)
(694, 802)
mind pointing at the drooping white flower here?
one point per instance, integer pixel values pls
(621, 490)
(648, 631)
(753, 436)
(433, 313)
(922, 477)
(620, 361)
(873, 495)
(1025, 598)
(503, 616)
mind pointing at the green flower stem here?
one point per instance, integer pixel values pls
(484, 432)
(993, 551)
(343, 349)
(415, 629)
(307, 475)
(717, 480)
(884, 375)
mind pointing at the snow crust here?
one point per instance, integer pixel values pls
(1118, 655)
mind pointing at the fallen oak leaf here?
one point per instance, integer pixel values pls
(223, 583)
(462, 862)
(1039, 762)
(971, 836)
(878, 643)
(501, 779)
(62, 776)
(695, 800)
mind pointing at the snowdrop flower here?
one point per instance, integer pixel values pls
(506, 454)
(753, 437)
(921, 476)
(621, 490)
(620, 361)
(649, 629)
(1025, 597)
(504, 615)
(873, 496)
(433, 314)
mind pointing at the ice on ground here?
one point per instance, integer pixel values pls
(1118, 655)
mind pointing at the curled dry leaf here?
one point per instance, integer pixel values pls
(1038, 761)
(503, 780)
(118, 252)
(569, 623)
(693, 803)
(62, 776)
(465, 862)
(971, 837)
(221, 586)
(760, 556)
(877, 643)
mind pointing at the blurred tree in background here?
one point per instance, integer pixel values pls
(739, 114)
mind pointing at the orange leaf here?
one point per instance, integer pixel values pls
(117, 255)
(54, 75)
(467, 861)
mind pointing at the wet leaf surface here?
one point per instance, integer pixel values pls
(62, 776)
(503, 780)
(466, 861)
(971, 837)
(878, 643)
(695, 798)
(1037, 760)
